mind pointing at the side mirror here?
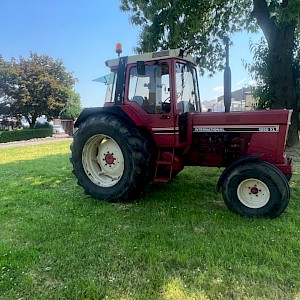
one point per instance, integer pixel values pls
(140, 65)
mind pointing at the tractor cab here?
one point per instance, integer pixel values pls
(160, 87)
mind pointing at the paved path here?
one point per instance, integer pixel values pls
(33, 142)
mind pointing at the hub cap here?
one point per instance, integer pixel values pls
(253, 193)
(103, 160)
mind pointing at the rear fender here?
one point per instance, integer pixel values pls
(95, 111)
(119, 113)
(236, 163)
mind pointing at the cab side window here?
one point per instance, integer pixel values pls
(185, 88)
(151, 90)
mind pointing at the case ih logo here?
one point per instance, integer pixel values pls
(245, 128)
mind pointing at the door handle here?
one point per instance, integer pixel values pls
(165, 117)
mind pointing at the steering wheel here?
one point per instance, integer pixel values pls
(167, 100)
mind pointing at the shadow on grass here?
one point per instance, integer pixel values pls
(175, 242)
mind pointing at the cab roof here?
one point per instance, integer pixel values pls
(152, 56)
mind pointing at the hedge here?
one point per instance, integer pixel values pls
(24, 134)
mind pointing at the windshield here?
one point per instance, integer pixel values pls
(187, 88)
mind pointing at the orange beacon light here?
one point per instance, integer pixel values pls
(119, 49)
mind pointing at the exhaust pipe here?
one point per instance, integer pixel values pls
(227, 78)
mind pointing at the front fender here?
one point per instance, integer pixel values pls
(236, 163)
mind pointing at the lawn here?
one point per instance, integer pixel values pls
(178, 241)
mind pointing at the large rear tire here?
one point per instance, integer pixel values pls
(256, 189)
(110, 159)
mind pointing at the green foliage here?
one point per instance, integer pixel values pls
(39, 125)
(73, 107)
(259, 72)
(4, 109)
(25, 134)
(35, 86)
(199, 26)
(178, 242)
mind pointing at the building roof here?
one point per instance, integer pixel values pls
(239, 94)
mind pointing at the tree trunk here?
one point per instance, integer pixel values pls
(293, 134)
(281, 75)
(31, 121)
(282, 81)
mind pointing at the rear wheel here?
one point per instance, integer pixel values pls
(256, 189)
(110, 159)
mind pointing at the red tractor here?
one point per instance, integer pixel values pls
(151, 126)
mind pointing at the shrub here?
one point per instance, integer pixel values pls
(39, 125)
(25, 134)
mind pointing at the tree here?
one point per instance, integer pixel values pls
(35, 86)
(1, 74)
(259, 72)
(201, 25)
(72, 108)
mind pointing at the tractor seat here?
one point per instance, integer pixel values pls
(138, 99)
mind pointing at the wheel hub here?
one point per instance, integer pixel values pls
(109, 158)
(254, 190)
(253, 193)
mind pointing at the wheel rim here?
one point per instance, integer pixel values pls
(103, 160)
(253, 193)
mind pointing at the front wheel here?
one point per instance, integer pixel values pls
(256, 189)
(110, 159)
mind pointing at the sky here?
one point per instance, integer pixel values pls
(83, 34)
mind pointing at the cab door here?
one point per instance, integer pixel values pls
(187, 99)
(149, 92)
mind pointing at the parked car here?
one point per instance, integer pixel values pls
(57, 129)
(24, 122)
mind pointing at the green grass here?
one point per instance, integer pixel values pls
(178, 241)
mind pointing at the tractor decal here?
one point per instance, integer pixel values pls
(234, 128)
